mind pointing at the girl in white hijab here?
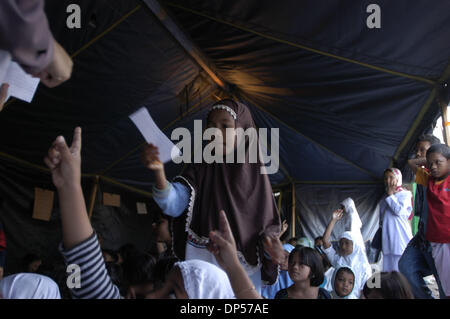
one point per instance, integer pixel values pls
(195, 279)
(343, 284)
(28, 286)
(350, 253)
(395, 209)
(352, 222)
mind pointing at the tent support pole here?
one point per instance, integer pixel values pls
(293, 211)
(185, 42)
(93, 195)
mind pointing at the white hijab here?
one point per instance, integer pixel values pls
(203, 280)
(28, 286)
(352, 295)
(352, 221)
(357, 261)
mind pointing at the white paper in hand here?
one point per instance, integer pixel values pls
(152, 134)
(21, 84)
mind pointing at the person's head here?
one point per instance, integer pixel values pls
(293, 241)
(344, 281)
(110, 256)
(424, 142)
(305, 264)
(347, 205)
(138, 269)
(304, 242)
(28, 286)
(392, 285)
(195, 279)
(161, 229)
(287, 249)
(223, 116)
(125, 251)
(162, 269)
(438, 160)
(318, 241)
(31, 263)
(346, 244)
(392, 175)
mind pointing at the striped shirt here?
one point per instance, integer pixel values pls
(95, 282)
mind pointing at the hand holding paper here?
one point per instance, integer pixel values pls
(153, 135)
(150, 158)
(21, 85)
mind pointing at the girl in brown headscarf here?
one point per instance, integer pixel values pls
(195, 198)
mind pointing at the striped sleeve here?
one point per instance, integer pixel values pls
(95, 282)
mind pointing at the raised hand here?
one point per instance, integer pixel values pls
(284, 227)
(150, 158)
(222, 244)
(391, 187)
(338, 214)
(59, 70)
(272, 245)
(65, 162)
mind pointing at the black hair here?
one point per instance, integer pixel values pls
(310, 258)
(442, 149)
(428, 138)
(28, 259)
(138, 268)
(56, 269)
(393, 285)
(347, 270)
(113, 254)
(162, 268)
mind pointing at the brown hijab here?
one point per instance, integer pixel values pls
(241, 191)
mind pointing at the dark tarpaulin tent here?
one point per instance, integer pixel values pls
(349, 101)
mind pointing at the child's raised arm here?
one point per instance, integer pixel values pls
(337, 215)
(223, 246)
(65, 166)
(81, 246)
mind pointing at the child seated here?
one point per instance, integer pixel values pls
(349, 254)
(306, 271)
(343, 284)
(392, 285)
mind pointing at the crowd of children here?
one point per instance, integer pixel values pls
(224, 237)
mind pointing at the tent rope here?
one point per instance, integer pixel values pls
(316, 143)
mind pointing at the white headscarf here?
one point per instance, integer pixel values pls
(398, 175)
(351, 295)
(357, 261)
(203, 280)
(28, 286)
(352, 221)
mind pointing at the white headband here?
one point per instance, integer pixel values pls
(226, 108)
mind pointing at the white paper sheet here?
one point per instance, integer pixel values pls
(21, 84)
(152, 134)
(141, 208)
